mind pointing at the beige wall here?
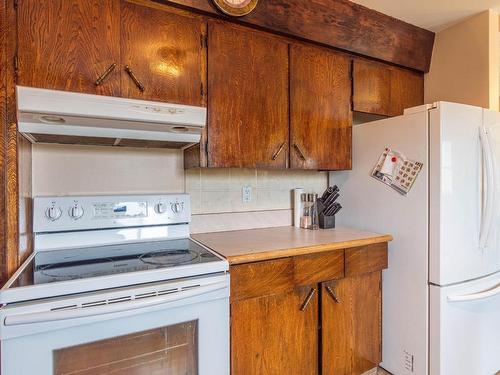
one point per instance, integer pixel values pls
(465, 63)
(216, 194)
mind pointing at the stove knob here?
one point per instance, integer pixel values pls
(177, 207)
(161, 208)
(76, 211)
(53, 213)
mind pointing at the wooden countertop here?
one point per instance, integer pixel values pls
(244, 246)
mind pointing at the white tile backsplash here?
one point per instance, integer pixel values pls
(221, 189)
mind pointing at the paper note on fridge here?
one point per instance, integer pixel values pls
(396, 170)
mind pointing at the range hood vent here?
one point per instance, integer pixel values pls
(51, 116)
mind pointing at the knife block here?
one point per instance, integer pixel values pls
(326, 222)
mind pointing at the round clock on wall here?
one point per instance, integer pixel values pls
(236, 7)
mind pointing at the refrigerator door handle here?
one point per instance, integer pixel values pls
(488, 212)
(476, 296)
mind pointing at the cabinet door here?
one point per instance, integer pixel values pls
(248, 98)
(407, 90)
(272, 336)
(68, 44)
(320, 114)
(163, 50)
(351, 324)
(371, 87)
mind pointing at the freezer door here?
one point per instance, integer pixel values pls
(455, 186)
(464, 328)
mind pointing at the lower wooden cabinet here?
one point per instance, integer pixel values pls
(276, 335)
(332, 327)
(351, 324)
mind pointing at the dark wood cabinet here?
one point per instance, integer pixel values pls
(162, 47)
(68, 44)
(308, 314)
(407, 90)
(385, 90)
(320, 113)
(371, 87)
(351, 317)
(275, 334)
(248, 98)
(165, 52)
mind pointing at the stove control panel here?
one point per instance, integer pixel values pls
(57, 214)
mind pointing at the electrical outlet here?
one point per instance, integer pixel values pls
(246, 194)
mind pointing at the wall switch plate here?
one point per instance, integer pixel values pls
(246, 194)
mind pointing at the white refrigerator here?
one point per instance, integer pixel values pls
(441, 292)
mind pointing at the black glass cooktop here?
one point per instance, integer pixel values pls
(72, 264)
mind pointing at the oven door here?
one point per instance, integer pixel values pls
(179, 327)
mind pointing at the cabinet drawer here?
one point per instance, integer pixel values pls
(261, 278)
(365, 259)
(315, 268)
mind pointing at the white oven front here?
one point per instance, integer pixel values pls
(175, 327)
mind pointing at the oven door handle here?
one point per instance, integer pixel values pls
(111, 308)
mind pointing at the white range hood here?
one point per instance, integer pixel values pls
(67, 117)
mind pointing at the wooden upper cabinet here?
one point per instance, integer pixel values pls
(271, 335)
(68, 44)
(320, 114)
(351, 310)
(407, 90)
(163, 50)
(247, 98)
(371, 87)
(385, 90)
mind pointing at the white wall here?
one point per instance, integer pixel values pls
(215, 193)
(465, 63)
(73, 170)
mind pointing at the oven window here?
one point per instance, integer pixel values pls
(171, 350)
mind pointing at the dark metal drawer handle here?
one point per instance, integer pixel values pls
(105, 75)
(277, 153)
(310, 295)
(299, 151)
(134, 78)
(332, 293)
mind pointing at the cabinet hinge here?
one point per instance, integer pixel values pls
(202, 91)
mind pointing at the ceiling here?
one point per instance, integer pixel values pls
(433, 15)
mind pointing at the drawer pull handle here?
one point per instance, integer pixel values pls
(310, 295)
(299, 151)
(105, 75)
(134, 78)
(332, 293)
(277, 153)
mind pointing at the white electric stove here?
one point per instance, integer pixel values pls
(119, 277)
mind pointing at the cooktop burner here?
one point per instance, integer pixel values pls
(81, 263)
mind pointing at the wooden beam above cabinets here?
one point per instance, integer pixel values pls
(340, 24)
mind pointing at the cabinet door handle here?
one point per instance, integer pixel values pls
(299, 151)
(105, 75)
(277, 153)
(332, 293)
(134, 78)
(310, 295)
